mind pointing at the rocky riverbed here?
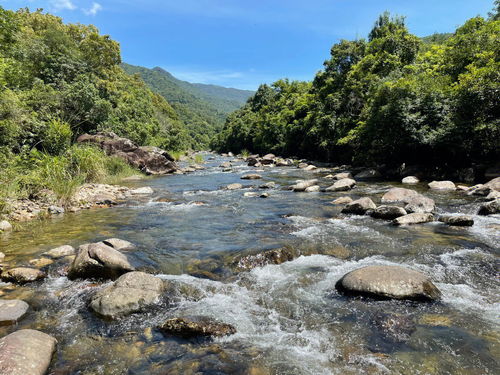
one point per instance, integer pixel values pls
(257, 266)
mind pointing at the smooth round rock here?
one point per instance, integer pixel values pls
(399, 195)
(359, 206)
(410, 180)
(458, 221)
(442, 185)
(22, 275)
(119, 244)
(11, 311)
(388, 282)
(234, 186)
(342, 185)
(251, 177)
(60, 252)
(388, 212)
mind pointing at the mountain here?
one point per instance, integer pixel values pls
(202, 108)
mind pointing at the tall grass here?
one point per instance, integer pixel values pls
(198, 158)
(245, 153)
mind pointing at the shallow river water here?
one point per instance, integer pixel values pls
(289, 318)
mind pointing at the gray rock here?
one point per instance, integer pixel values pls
(388, 282)
(252, 176)
(493, 195)
(494, 184)
(119, 244)
(342, 200)
(55, 210)
(11, 311)
(26, 352)
(5, 226)
(189, 327)
(342, 175)
(22, 275)
(442, 185)
(226, 165)
(388, 212)
(359, 206)
(399, 195)
(146, 190)
(410, 180)
(275, 256)
(303, 185)
(60, 252)
(250, 194)
(490, 208)
(312, 189)
(131, 292)
(368, 174)
(414, 218)
(98, 260)
(234, 187)
(342, 185)
(420, 204)
(459, 221)
(268, 185)
(481, 190)
(264, 195)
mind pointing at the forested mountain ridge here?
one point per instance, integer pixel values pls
(203, 108)
(388, 99)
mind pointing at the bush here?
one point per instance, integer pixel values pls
(57, 137)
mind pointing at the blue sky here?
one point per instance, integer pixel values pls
(242, 43)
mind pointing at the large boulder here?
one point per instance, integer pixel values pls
(26, 352)
(11, 311)
(131, 292)
(196, 327)
(22, 275)
(388, 212)
(388, 282)
(490, 208)
(458, 221)
(98, 260)
(342, 185)
(150, 160)
(414, 218)
(303, 185)
(399, 195)
(442, 185)
(359, 206)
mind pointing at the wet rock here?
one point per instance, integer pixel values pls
(151, 160)
(442, 185)
(342, 185)
(303, 165)
(410, 180)
(462, 188)
(268, 159)
(119, 244)
(303, 185)
(234, 187)
(342, 175)
(251, 177)
(250, 194)
(490, 208)
(98, 260)
(11, 311)
(5, 226)
(368, 174)
(226, 164)
(275, 256)
(312, 189)
(494, 184)
(252, 161)
(40, 262)
(396, 328)
(388, 212)
(60, 252)
(22, 275)
(420, 204)
(268, 185)
(414, 218)
(342, 200)
(26, 352)
(460, 221)
(146, 190)
(264, 195)
(399, 195)
(310, 168)
(493, 195)
(359, 206)
(55, 210)
(388, 282)
(284, 162)
(131, 292)
(435, 320)
(189, 327)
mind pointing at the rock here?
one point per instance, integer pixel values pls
(5, 226)
(359, 206)
(226, 165)
(40, 262)
(268, 159)
(60, 252)
(98, 260)
(490, 208)
(388, 282)
(26, 352)
(442, 185)
(150, 160)
(146, 190)
(284, 163)
(462, 188)
(251, 177)
(252, 161)
(250, 194)
(420, 204)
(22, 275)
(268, 185)
(303, 185)
(264, 195)
(310, 168)
(303, 165)
(342, 200)
(234, 187)
(2, 256)
(460, 221)
(269, 156)
(11, 311)
(396, 328)
(388, 212)
(131, 292)
(342, 185)
(399, 195)
(55, 210)
(494, 184)
(188, 327)
(312, 189)
(275, 256)
(414, 218)
(119, 244)
(493, 195)
(368, 174)
(343, 175)
(410, 180)
(481, 190)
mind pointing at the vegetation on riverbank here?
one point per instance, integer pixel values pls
(392, 98)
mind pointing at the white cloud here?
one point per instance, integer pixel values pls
(96, 7)
(62, 5)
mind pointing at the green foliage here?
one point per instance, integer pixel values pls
(391, 99)
(57, 137)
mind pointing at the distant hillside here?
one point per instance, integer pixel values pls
(436, 38)
(203, 108)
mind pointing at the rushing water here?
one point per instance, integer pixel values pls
(289, 318)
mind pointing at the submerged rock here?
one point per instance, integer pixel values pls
(342, 185)
(5, 226)
(98, 260)
(490, 208)
(442, 185)
(388, 282)
(22, 275)
(414, 218)
(131, 292)
(60, 252)
(26, 352)
(119, 244)
(410, 180)
(253, 176)
(388, 212)
(189, 327)
(395, 328)
(275, 256)
(11, 311)
(460, 221)
(359, 206)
